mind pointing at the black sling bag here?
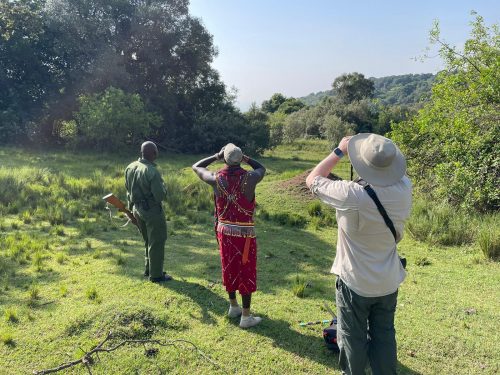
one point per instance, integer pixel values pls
(386, 217)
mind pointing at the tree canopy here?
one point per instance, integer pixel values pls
(53, 52)
(452, 144)
(352, 87)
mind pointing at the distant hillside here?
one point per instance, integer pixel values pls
(391, 90)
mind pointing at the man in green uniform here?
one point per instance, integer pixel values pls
(145, 192)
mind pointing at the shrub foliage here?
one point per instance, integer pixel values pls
(452, 144)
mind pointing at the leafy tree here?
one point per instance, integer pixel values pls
(352, 87)
(334, 128)
(110, 120)
(28, 74)
(278, 102)
(389, 115)
(452, 144)
(276, 122)
(213, 130)
(405, 89)
(54, 52)
(305, 123)
(272, 105)
(258, 137)
(363, 114)
(290, 105)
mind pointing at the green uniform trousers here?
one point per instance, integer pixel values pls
(153, 227)
(365, 332)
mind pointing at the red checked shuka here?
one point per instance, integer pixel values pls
(236, 231)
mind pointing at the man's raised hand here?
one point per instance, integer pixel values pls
(220, 154)
(343, 144)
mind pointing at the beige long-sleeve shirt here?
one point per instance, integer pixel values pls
(366, 258)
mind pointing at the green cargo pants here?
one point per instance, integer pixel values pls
(365, 332)
(153, 227)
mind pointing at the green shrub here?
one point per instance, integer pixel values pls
(33, 294)
(439, 223)
(86, 227)
(11, 315)
(488, 237)
(58, 230)
(26, 217)
(7, 339)
(56, 215)
(314, 209)
(38, 259)
(110, 120)
(92, 294)
(452, 143)
(63, 290)
(299, 286)
(60, 258)
(291, 220)
(422, 261)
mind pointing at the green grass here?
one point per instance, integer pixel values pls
(90, 270)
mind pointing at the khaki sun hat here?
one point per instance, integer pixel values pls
(376, 159)
(232, 154)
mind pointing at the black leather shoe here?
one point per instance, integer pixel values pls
(162, 279)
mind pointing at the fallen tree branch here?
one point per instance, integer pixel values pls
(87, 358)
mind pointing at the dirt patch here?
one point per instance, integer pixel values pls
(298, 185)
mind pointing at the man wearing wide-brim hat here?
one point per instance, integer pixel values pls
(367, 264)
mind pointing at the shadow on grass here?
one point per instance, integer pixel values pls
(403, 370)
(310, 346)
(20, 281)
(206, 299)
(283, 253)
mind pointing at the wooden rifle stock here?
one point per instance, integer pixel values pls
(115, 201)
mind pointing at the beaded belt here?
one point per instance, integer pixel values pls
(238, 229)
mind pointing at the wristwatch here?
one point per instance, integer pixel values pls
(338, 152)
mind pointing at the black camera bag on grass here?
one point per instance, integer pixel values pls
(330, 336)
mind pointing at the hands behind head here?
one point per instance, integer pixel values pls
(220, 154)
(343, 144)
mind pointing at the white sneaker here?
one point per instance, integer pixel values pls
(249, 321)
(234, 311)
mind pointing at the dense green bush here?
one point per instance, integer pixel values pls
(315, 209)
(213, 130)
(333, 128)
(276, 123)
(488, 237)
(54, 51)
(452, 144)
(109, 120)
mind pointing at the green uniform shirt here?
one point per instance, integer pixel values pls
(145, 187)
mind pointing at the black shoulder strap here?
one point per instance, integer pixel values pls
(381, 209)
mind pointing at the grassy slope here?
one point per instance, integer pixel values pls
(447, 320)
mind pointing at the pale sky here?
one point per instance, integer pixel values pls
(299, 46)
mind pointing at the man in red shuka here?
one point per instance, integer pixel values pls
(234, 189)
